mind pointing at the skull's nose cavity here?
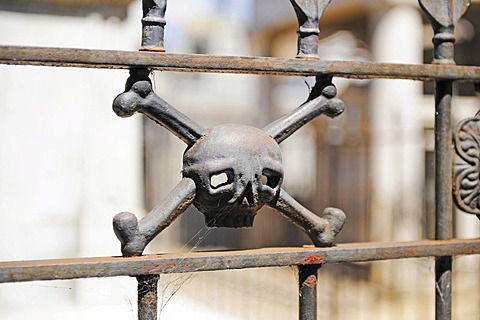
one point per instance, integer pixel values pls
(247, 197)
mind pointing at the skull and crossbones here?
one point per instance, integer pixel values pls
(230, 171)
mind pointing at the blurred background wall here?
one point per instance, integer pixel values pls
(68, 164)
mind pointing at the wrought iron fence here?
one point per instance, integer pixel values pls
(252, 194)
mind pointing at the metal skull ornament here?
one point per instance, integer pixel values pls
(230, 171)
(237, 170)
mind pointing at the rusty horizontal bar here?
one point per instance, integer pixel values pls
(18, 271)
(85, 58)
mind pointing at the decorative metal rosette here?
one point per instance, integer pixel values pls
(466, 180)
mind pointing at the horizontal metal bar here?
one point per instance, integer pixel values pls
(84, 58)
(226, 260)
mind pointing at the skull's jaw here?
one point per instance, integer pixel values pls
(229, 216)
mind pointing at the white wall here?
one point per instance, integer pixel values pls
(68, 164)
(397, 146)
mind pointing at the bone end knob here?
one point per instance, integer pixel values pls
(333, 219)
(125, 226)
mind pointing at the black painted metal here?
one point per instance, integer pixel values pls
(134, 235)
(153, 25)
(63, 269)
(466, 182)
(112, 59)
(308, 14)
(443, 287)
(247, 161)
(443, 160)
(443, 15)
(247, 188)
(321, 101)
(147, 290)
(139, 97)
(307, 286)
(443, 187)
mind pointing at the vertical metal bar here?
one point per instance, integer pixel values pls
(443, 15)
(153, 25)
(147, 297)
(443, 199)
(443, 288)
(307, 281)
(443, 160)
(443, 53)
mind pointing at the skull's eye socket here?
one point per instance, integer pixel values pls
(220, 179)
(270, 178)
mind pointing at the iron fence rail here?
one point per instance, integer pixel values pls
(443, 17)
(308, 260)
(75, 268)
(112, 59)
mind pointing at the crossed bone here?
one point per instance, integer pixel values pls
(139, 97)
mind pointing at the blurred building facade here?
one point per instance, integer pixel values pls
(80, 164)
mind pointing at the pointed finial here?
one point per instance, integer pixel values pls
(443, 16)
(308, 14)
(153, 25)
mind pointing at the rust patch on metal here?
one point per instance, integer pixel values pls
(167, 265)
(313, 259)
(411, 253)
(311, 281)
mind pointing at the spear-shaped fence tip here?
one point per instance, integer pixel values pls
(308, 14)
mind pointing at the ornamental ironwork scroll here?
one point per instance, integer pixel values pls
(230, 171)
(466, 180)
